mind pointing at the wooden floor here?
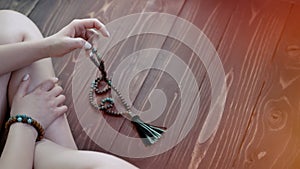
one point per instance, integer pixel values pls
(258, 42)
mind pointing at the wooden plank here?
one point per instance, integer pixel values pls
(212, 17)
(246, 52)
(25, 6)
(258, 111)
(64, 66)
(274, 141)
(205, 15)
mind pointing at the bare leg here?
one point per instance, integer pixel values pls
(5, 38)
(52, 156)
(3, 95)
(19, 28)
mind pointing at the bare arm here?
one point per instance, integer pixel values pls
(71, 37)
(19, 149)
(43, 106)
(18, 55)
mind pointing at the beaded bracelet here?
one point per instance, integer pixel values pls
(21, 118)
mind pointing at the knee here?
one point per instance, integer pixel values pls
(11, 13)
(16, 27)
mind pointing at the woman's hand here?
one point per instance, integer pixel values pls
(44, 104)
(73, 36)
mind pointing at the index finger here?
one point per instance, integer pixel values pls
(92, 23)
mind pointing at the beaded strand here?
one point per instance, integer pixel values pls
(106, 104)
(150, 134)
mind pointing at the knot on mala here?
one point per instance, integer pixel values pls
(102, 85)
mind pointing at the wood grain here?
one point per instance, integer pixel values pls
(258, 44)
(24, 6)
(274, 139)
(246, 50)
(202, 14)
(64, 67)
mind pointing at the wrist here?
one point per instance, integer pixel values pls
(27, 120)
(40, 48)
(45, 45)
(25, 129)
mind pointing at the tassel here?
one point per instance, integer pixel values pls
(148, 133)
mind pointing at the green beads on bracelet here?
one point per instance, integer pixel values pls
(23, 118)
(29, 121)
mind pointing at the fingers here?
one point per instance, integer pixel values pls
(91, 33)
(90, 24)
(75, 43)
(56, 94)
(57, 90)
(59, 100)
(61, 110)
(48, 84)
(23, 87)
(103, 30)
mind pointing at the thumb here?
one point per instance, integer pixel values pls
(76, 43)
(23, 87)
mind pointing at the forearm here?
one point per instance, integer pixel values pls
(19, 148)
(17, 55)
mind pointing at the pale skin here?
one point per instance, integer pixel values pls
(28, 84)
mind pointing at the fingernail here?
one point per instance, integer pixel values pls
(55, 79)
(106, 31)
(26, 77)
(87, 46)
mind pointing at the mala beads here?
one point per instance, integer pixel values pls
(106, 104)
(102, 85)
